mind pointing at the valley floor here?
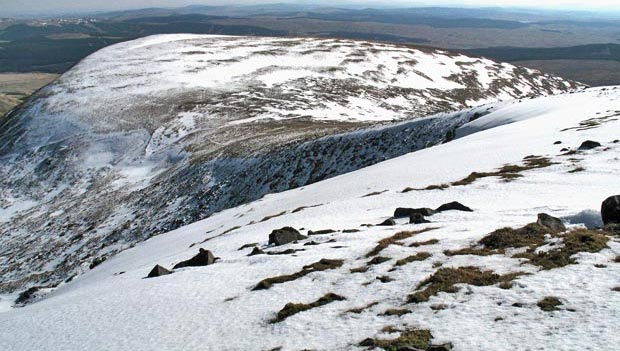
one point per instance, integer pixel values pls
(113, 307)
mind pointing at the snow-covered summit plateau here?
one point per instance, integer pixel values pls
(353, 284)
(145, 136)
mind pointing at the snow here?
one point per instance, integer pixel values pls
(269, 67)
(213, 307)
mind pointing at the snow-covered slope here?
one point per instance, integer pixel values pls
(145, 136)
(215, 308)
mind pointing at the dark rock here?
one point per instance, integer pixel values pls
(551, 222)
(417, 218)
(388, 222)
(284, 236)
(368, 342)
(564, 149)
(589, 144)
(385, 279)
(285, 252)
(350, 231)
(321, 232)
(204, 258)
(610, 210)
(256, 251)
(557, 143)
(27, 296)
(158, 271)
(408, 348)
(408, 212)
(97, 261)
(616, 141)
(456, 206)
(442, 347)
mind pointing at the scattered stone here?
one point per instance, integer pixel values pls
(557, 143)
(456, 206)
(203, 258)
(408, 212)
(256, 251)
(285, 252)
(589, 145)
(418, 218)
(158, 271)
(346, 231)
(321, 232)
(388, 222)
(551, 222)
(610, 210)
(564, 149)
(385, 279)
(284, 236)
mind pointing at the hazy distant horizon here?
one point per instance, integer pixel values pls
(41, 7)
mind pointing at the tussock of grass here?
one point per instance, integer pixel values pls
(506, 173)
(378, 260)
(424, 243)
(576, 241)
(420, 256)
(294, 308)
(321, 265)
(445, 279)
(359, 310)
(396, 312)
(375, 193)
(531, 236)
(359, 270)
(273, 216)
(549, 304)
(414, 338)
(577, 170)
(384, 243)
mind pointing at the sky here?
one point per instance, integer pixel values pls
(56, 6)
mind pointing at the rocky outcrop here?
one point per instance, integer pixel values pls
(454, 206)
(610, 210)
(158, 271)
(203, 258)
(589, 145)
(408, 212)
(551, 222)
(284, 236)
